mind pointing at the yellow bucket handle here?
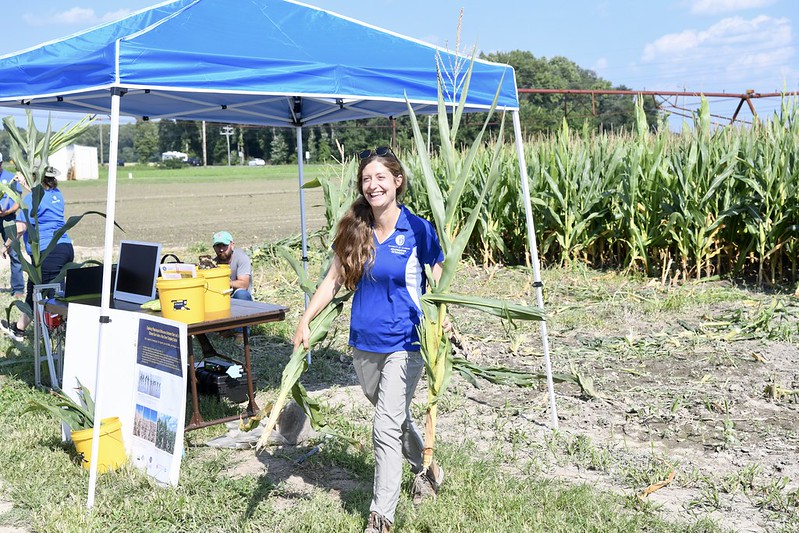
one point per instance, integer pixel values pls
(209, 289)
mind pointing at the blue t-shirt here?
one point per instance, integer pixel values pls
(50, 218)
(386, 305)
(7, 201)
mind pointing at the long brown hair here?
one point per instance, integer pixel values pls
(354, 245)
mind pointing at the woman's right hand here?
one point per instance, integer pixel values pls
(302, 335)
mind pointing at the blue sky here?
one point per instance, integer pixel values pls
(669, 45)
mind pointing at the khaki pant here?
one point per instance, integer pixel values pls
(389, 382)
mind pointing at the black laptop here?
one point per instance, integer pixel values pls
(83, 283)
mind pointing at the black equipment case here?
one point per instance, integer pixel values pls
(212, 379)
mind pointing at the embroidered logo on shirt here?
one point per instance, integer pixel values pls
(399, 248)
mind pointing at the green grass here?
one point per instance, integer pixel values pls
(480, 494)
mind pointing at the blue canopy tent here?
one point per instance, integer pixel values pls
(262, 62)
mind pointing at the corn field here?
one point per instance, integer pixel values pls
(701, 203)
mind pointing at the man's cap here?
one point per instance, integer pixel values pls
(222, 237)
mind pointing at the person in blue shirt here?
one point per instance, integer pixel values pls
(380, 253)
(8, 216)
(49, 219)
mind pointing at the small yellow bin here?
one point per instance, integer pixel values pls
(182, 299)
(112, 450)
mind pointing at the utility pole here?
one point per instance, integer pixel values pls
(205, 148)
(227, 131)
(100, 125)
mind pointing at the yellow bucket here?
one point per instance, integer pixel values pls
(182, 299)
(112, 450)
(217, 291)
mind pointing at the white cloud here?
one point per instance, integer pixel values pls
(75, 16)
(728, 53)
(713, 7)
(115, 15)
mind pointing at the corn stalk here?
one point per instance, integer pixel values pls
(298, 362)
(338, 198)
(454, 234)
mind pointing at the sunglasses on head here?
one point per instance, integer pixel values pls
(380, 151)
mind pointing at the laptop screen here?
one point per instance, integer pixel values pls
(83, 282)
(137, 271)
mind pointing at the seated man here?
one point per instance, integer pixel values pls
(239, 262)
(240, 281)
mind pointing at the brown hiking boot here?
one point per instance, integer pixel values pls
(377, 524)
(426, 483)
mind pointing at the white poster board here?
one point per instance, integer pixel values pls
(143, 381)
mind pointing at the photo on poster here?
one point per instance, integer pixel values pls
(166, 433)
(159, 347)
(145, 423)
(149, 384)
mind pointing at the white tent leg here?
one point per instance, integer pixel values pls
(539, 293)
(105, 302)
(303, 229)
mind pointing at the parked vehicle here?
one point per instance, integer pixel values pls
(256, 162)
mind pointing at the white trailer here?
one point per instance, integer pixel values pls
(76, 162)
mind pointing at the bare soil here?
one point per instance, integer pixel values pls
(181, 215)
(698, 390)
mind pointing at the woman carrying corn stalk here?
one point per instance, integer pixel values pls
(380, 253)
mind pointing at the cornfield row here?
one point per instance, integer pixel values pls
(701, 203)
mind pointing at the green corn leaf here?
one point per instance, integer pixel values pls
(435, 198)
(69, 224)
(500, 375)
(500, 308)
(467, 78)
(310, 405)
(456, 191)
(86, 399)
(306, 286)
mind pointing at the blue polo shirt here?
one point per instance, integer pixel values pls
(386, 305)
(50, 218)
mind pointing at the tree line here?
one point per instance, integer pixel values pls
(145, 141)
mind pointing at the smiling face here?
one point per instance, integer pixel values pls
(379, 184)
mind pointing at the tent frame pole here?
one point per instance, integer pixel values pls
(105, 301)
(303, 228)
(539, 286)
